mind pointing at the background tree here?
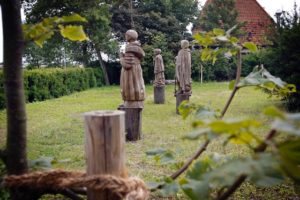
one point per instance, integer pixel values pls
(160, 24)
(97, 14)
(283, 58)
(218, 14)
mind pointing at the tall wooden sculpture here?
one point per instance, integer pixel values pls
(183, 79)
(159, 81)
(132, 85)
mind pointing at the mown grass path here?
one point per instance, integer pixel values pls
(55, 129)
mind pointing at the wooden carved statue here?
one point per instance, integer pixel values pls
(159, 68)
(132, 82)
(183, 69)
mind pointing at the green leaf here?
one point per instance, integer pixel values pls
(156, 151)
(274, 112)
(74, 33)
(43, 163)
(153, 185)
(185, 109)
(290, 158)
(196, 190)
(233, 40)
(197, 133)
(73, 18)
(263, 170)
(167, 158)
(222, 38)
(204, 112)
(39, 41)
(198, 169)
(250, 46)
(206, 54)
(290, 124)
(218, 31)
(170, 188)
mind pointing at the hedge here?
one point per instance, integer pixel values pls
(48, 83)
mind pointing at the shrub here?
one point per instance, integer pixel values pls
(42, 84)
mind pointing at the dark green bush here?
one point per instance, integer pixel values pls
(42, 84)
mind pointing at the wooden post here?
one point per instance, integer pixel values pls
(133, 123)
(104, 147)
(159, 94)
(180, 98)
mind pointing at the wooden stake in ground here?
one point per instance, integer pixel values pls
(104, 147)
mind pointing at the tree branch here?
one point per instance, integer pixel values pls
(262, 147)
(190, 161)
(237, 80)
(233, 187)
(238, 182)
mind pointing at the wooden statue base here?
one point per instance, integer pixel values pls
(180, 98)
(133, 122)
(159, 94)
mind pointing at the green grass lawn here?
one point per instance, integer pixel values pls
(55, 129)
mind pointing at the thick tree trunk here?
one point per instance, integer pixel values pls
(16, 162)
(98, 52)
(14, 91)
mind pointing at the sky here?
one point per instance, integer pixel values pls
(271, 6)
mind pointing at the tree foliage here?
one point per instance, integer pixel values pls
(97, 28)
(218, 14)
(150, 18)
(285, 56)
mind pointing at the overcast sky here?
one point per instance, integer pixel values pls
(271, 6)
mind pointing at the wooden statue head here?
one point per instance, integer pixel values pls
(157, 51)
(184, 44)
(131, 35)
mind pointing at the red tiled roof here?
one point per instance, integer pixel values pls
(258, 21)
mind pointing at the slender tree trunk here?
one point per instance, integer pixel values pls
(102, 64)
(201, 73)
(16, 162)
(85, 60)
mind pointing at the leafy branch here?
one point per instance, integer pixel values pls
(202, 177)
(44, 30)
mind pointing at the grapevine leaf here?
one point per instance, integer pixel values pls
(250, 46)
(72, 32)
(218, 31)
(73, 18)
(290, 158)
(290, 124)
(39, 41)
(156, 151)
(170, 188)
(196, 190)
(274, 112)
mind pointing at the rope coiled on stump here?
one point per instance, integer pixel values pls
(126, 188)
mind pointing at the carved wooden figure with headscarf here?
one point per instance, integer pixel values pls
(159, 68)
(183, 69)
(132, 82)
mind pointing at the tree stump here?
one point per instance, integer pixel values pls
(104, 147)
(180, 98)
(133, 122)
(159, 94)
